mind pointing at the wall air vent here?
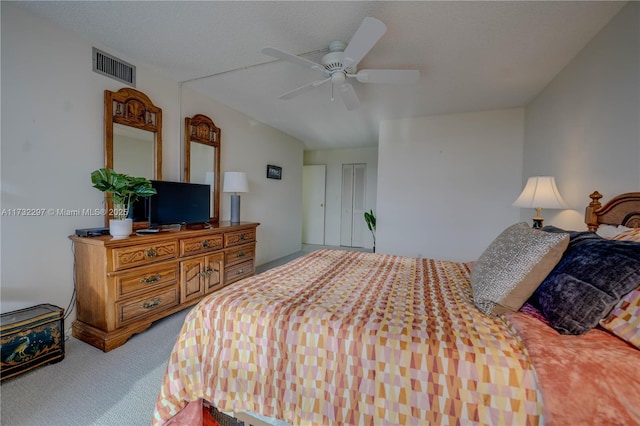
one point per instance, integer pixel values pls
(110, 66)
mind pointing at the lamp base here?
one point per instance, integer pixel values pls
(537, 222)
(235, 208)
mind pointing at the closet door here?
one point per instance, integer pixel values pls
(352, 225)
(346, 215)
(358, 225)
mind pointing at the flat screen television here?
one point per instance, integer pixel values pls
(179, 202)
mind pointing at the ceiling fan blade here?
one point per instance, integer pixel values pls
(362, 41)
(387, 76)
(302, 89)
(280, 54)
(348, 96)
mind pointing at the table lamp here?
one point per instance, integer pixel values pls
(540, 192)
(235, 182)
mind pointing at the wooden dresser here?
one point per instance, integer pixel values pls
(122, 286)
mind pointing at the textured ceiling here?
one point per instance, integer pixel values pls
(472, 56)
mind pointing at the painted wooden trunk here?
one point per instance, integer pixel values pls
(30, 338)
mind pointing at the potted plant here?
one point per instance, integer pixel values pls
(370, 218)
(122, 190)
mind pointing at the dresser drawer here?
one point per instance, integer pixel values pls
(237, 238)
(128, 257)
(238, 272)
(150, 304)
(189, 246)
(240, 254)
(146, 278)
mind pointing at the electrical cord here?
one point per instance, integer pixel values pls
(72, 304)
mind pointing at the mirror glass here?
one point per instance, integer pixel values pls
(201, 164)
(133, 151)
(202, 157)
(202, 168)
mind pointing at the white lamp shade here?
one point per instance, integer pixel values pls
(235, 182)
(540, 192)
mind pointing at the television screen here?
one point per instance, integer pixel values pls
(139, 210)
(178, 202)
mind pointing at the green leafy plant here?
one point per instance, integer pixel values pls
(122, 189)
(370, 218)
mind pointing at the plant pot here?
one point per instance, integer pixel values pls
(120, 228)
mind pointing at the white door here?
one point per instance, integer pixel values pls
(313, 201)
(358, 225)
(346, 213)
(352, 225)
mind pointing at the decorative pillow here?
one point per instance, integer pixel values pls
(610, 231)
(591, 278)
(632, 234)
(624, 319)
(513, 266)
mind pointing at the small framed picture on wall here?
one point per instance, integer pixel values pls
(274, 172)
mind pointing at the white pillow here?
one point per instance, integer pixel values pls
(610, 231)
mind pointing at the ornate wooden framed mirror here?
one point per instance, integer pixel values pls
(132, 136)
(202, 157)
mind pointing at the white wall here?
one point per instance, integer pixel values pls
(458, 181)
(584, 128)
(52, 124)
(446, 183)
(334, 159)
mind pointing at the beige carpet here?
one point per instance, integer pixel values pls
(90, 387)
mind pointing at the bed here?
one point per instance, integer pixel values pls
(338, 337)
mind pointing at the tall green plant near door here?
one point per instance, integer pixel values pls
(370, 218)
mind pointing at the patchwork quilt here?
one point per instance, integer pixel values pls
(338, 337)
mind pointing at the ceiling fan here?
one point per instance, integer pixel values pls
(340, 64)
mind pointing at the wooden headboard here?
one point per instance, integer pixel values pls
(621, 210)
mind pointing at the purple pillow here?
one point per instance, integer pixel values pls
(592, 276)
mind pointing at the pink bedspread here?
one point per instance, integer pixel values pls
(357, 338)
(591, 379)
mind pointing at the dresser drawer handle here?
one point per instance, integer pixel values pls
(152, 304)
(242, 237)
(240, 272)
(241, 254)
(152, 279)
(206, 273)
(151, 253)
(205, 244)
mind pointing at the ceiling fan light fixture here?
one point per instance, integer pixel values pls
(338, 77)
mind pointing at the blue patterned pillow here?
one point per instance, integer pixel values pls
(592, 276)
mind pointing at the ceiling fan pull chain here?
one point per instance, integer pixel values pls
(331, 91)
